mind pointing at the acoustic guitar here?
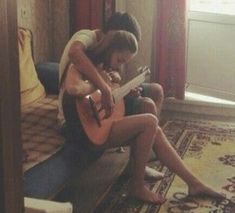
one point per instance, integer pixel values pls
(91, 116)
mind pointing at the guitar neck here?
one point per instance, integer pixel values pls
(122, 91)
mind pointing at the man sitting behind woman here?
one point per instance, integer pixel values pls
(140, 131)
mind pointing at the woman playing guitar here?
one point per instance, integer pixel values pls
(140, 132)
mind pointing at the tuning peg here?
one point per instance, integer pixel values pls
(148, 71)
(143, 69)
(140, 69)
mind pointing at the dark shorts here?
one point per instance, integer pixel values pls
(72, 130)
(132, 104)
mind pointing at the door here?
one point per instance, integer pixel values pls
(211, 48)
(11, 198)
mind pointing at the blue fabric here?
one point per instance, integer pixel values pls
(47, 178)
(48, 74)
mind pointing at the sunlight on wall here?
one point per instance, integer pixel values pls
(213, 6)
(205, 98)
(144, 13)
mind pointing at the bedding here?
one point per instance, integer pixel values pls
(40, 132)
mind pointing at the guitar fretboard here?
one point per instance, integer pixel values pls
(120, 92)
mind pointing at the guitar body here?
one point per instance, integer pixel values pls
(96, 127)
(98, 133)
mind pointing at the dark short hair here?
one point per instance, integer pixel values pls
(123, 21)
(113, 40)
(121, 40)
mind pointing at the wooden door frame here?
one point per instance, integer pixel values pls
(11, 193)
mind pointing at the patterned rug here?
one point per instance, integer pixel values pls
(208, 149)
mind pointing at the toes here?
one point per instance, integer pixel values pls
(151, 199)
(220, 196)
(206, 194)
(159, 199)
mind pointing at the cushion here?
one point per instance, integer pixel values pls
(31, 88)
(48, 74)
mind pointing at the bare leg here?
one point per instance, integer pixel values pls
(171, 159)
(142, 129)
(165, 152)
(151, 102)
(154, 93)
(150, 174)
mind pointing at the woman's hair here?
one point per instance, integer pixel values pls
(113, 41)
(123, 21)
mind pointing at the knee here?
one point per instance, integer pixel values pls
(147, 105)
(151, 121)
(159, 131)
(157, 90)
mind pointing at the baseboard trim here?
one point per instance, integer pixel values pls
(198, 107)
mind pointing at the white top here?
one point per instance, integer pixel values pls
(88, 39)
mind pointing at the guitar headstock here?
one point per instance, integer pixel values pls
(144, 69)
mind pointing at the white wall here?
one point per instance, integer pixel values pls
(121, 5)
(144, 12)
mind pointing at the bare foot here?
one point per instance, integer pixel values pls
(201, 190)
(144, 194)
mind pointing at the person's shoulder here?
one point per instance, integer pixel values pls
(94, 35)
(87, 32)
(87, 37)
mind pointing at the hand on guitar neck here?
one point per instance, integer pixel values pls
(95, 122)
(77, 85)
(112, 78)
